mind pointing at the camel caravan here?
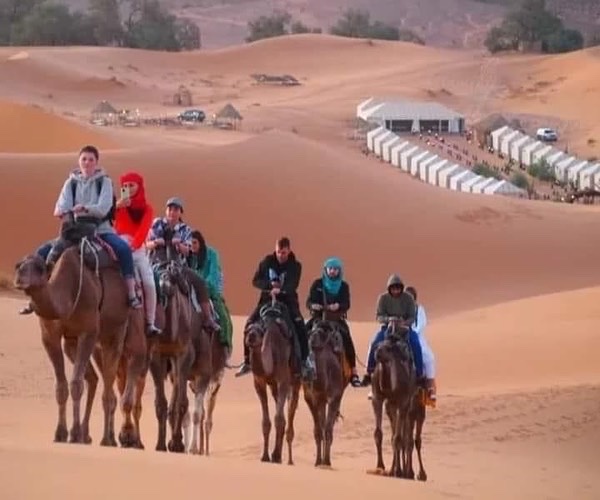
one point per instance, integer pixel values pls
(123, 292)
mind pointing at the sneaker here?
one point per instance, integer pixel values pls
(355, 381)
(366, 381)
(28, 309)
(244, 369)
(135, 303)
(152, 330)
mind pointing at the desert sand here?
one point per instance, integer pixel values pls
(511, 287)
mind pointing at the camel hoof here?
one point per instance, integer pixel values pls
(176, 447)
(265, 458)
(139, 445)
(161, 447)
(128, 439)
(194, 450)
(377, 472)
(108, 441)
(61, 435)
(275, 459)
(422, 476)
(324, 467)
(75, 436)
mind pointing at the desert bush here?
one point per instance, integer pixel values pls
(520, 180)
(542, 171)
(485, 171)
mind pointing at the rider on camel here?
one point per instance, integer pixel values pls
(133, 219)
(329, 297)
(181, 241)
(88, 195)
(204, 260)
(277, 277)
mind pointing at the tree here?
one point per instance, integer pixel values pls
(51, 24)
(269, 26)
(520, 180)
(498, 40)
(565, 40)
(188, 34)
(298, 27)
(12, 13)
(106, 16)
(356, 23)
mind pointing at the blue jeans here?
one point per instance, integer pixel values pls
(415, 345)
(123, 252)
(120, 247)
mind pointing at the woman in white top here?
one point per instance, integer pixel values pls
(428, 358)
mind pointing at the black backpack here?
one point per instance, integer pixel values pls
(110, 216)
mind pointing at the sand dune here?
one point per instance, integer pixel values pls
(510, 286)
(26, 129)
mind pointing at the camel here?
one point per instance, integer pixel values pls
(394, 382)
(206, 377)
(324, 394)
(270, 341)
(173, 352)
(82, 307)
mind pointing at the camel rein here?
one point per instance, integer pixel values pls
(84, 242)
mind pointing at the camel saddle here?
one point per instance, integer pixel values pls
(97, 254)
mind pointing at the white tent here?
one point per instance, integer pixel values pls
(434, 169)
(396, 150)
(480, 186)
(507, 140)
(466, 185)
(560, 169)
(446, 173)
(517, 146)
(371, 135)
(458, 178)
(405, 157)
(387, 145)
(574, 170)
(587, 177)
(424, 166)
(414, 161)
(505, 188)
(528, 150)
(497, 135)
(379, 140)
(540, 154)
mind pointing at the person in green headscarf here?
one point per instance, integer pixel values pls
(329, 297)
(204, 260)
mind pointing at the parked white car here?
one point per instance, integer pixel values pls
(546, 134)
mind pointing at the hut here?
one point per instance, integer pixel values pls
(228, 117)
(104, 113)
(183, 97)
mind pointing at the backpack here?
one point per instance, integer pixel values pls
(110, 216)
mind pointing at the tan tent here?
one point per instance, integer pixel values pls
(228, 116)
(104, 113)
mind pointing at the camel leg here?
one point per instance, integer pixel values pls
(292, 408)
(396, 442)
(157, 370)
(420, 420)
(137, 408)
(332, 413)
(279, 421)
(261, 390)
(129, 435)
(180, 402)
(85, 347)
(212, 402)
(91, 379)
(317, 434)
(408, 444)
(55, 353)
(111, 354)
(378, 433)
(197, 445)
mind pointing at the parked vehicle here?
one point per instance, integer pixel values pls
(192, 115)
(546, 135)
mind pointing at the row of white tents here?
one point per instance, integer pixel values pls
(431, 168)
(527, 151)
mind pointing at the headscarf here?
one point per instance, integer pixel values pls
(138, 201)
(332, 285)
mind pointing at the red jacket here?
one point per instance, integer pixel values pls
(138, 231)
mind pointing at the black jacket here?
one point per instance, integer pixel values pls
(288, 274)
(315, 296)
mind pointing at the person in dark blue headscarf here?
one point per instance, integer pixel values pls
(329, 297)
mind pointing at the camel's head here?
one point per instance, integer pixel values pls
(322, 333)
(31, 272)
(254, 334)
(393, 350)
(168, 277)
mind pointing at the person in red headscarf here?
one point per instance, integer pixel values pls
(133, 219)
